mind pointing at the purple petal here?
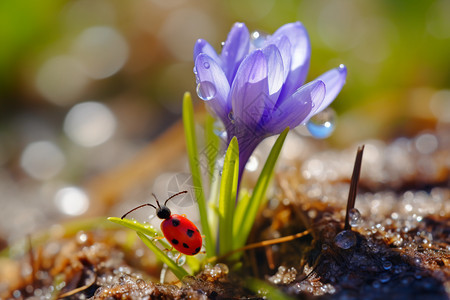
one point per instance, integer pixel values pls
(235, 49)
(295, 109)
(202, 46)
(213, 83)
(250, 89)
(275, 71)
(300, 53)
(284, 46)
(334, 81)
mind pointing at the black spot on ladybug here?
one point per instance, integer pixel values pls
(175, 222)
(196, 229)
(185, 245)
(190, 232)
(197, 250)
(175, 242)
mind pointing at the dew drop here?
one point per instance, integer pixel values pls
(387, 265)
(219, 130)
(195, 70)
(322, 124)
(354, 217)
(341, 67)
(258, 39)
(206, 90)
(385, 277)
(206, 65)
(345, 239)
(141, 284)
(182, 260)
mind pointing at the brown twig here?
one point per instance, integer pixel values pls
(353, 186)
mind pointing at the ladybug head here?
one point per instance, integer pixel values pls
(162, 211)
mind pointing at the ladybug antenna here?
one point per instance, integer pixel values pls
(157, 202)
(140, 206)
(183, 192)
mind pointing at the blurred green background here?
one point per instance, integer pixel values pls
(129, 63)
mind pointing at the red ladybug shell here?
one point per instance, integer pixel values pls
(182, 234)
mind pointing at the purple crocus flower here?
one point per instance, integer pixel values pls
(257, 89)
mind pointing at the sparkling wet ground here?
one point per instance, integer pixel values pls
(398, 246)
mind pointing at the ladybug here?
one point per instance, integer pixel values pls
(179, 231)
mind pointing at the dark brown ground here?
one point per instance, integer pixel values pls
(399, 247)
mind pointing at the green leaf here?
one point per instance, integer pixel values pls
(192, 150)
(138, 227)
(246, 210)
(212, 143)
(227, 197)
(176, 269)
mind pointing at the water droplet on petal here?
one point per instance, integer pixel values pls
(206, 90)
(222, 44)
(206, 65)
(345, 239)
(258, 39)
(322, 124)
(341, 67)
(195, 70)
(219, 130)
(354, 217)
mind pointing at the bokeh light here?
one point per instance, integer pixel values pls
(61, 80)
(440, 105)
(72, 201)
(90, 124)
(42, 160)
(101, 50)
(180, 36)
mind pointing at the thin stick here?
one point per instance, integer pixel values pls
(79, 289)
(353, 186)
(263, 244)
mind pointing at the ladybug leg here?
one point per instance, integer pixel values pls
(168, 250)
(158, 238)
(178, 258)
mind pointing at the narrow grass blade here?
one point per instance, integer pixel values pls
(227, 197)
(212, 144)
(213, 201)
(176, 269)
(246, 210)
(191, 145)
(138, 227)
